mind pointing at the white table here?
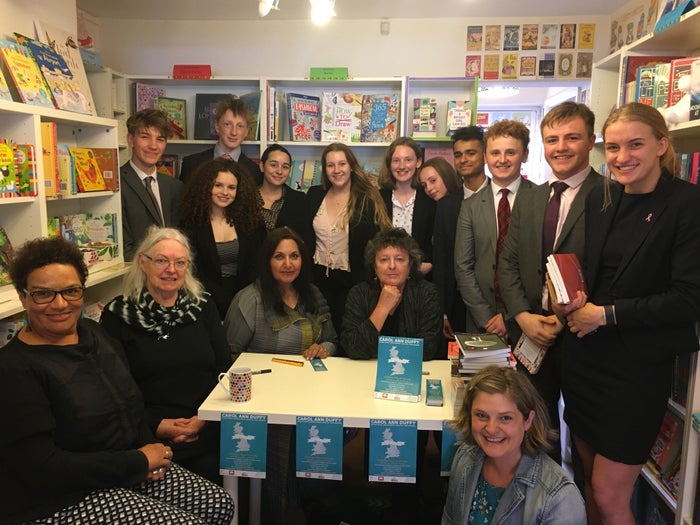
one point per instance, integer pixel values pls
(345, 390)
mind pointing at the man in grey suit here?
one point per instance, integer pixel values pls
(148, 197)
(483, 223)
(568, 138)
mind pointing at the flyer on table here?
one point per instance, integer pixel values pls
(243, 445)
(392, 450)
(399, 368)
(319, 447)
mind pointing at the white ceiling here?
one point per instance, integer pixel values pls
(345, 9)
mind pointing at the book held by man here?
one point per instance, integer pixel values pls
(566, 277)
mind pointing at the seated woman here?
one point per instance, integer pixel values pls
(175, 346)
(394, 301)
(281, 313)
(78, 448)
(502, 473)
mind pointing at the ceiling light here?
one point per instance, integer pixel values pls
(265, 6)
(322, 11)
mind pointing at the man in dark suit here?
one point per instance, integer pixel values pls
(568, 138)
(148, 197)
(483, 223)
(468, 150)
(231, 126)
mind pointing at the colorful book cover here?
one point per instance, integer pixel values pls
(175, 109)
(296, 175)
(661, 85)
(399, 368)
(243, 450)
(511, 37)
(252, 101)
(528, 66)
(205, 115)
(380, 117)
(531, 34)
(319, 447)
(95, 234)
(459, 115)
(108, 161)
(586, 36)
(644, 85)
(312, 174)
(472, 66)
(145, 95)
(5, 93)
(492, 38)
(304, 112)
(424, 117)
(549, 38)
(584, 64)
(8, 177)
(25, 74)
(67, 184)
(509, 70)
(65, 44)
(65, 89)
(567, 38)
(168, 165)
(449, 447)
(9, 326)
(565, 65)
(680, 67)
(50, 158)
(475, 38)
(341, 117)
(25, 167)
(491, 66)
(392, 450)
(87, 171)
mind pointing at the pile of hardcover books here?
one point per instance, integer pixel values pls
(478, 350)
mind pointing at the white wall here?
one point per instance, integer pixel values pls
(19, 15)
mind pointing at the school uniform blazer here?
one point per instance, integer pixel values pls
(422, 221)
(138, 211)
(191, 162)
(294, 214)
(475, 254)
(520, 267)
(656, 288)
(361, 230)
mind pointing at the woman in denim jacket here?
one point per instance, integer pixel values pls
(501, 474)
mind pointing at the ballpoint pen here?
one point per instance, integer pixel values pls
(263, 371)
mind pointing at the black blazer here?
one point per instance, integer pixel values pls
(361, 230)
(422, 221)
(294, 214)
(656, 288)
(191, 162)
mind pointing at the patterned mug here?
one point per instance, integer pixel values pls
(239, 384)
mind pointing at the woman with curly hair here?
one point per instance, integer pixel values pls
(221, 214)
(346, 212)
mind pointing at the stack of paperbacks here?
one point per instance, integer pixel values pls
(478, 350)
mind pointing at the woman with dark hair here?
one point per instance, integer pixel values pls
(164, 311)
(438, 178)
(77, 447)
(346, 212)
(395, 300)
(282, 312)
(220, 212)
(502, 473)
(408, 208)
(281, 205)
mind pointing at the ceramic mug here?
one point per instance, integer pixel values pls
(239, 386)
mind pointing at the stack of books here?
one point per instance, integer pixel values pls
(478, 350)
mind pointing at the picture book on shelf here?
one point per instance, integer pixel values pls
(5, 93)
(145, 95)
(668, 443)
(65, 44)
(304, 112)
(25, 74)
(205, 115)
(25, 168)
(6, 255)
(8, 178)
(168, 165)
(424, 117)
(108, 161)
(342, 117)
(175, 109)
(252, 101)
(50, 159)
(87, 172)
(65, 90)
(399, 368)
(379, 117)
(459, 115)
(67, 184)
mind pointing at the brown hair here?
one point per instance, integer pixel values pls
(386, 178)
(149, 118)
(508, 128)
(452, 181)
(566, 111)
(235, 105)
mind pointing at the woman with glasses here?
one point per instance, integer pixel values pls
(221, 214)
(175, 346)
(76, 446)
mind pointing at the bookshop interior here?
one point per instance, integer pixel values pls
(350, 262)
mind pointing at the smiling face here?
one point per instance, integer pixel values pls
(231, 129)
(392, 266)
(404, 164)
(338, 170)
(147, 147)
(498, 427)
(504, 156)
(632, 152)
(223, 192)
(469, 158)
(164, 270)
(432, 183)
(276, 168)
(59, 318)
(567, 147)
(285, 263)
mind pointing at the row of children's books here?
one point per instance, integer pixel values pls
(425, 121)
(332, 117)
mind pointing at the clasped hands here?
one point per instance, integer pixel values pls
(180, 430)
(582, 317)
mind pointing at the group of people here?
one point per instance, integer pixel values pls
(234, 260)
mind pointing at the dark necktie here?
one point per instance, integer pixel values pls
(226, 156)
(503, 222)
(551, 218)
(149, 189)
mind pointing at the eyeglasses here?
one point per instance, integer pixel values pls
(74, 293)
(162, 263)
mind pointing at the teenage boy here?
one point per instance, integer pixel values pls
(148, 197)
(231, 126)
(468, 150)
(483, 224)
(553, 215)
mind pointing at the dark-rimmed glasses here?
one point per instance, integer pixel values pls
(74, 293)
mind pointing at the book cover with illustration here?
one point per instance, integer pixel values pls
(205, 115)
(50, 158)
(7, 252)
(8, 177)
(319, 447)
(175, 109)
(168, 164)
(145, 95)
(491, 66)
(392, 450)
(475, 40)
(87, 172)
(531, 34)
(341, 117)
(379, 117)
(108, 161)
(243, 448)
(95, 234)
(459, 115)
(5, 93)
(67, 185)
(304, 114)
(472, 66)
(25, 167)
(25, 74)
(252, 101)
(424, 117)
(528, 66)
(399, 368)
